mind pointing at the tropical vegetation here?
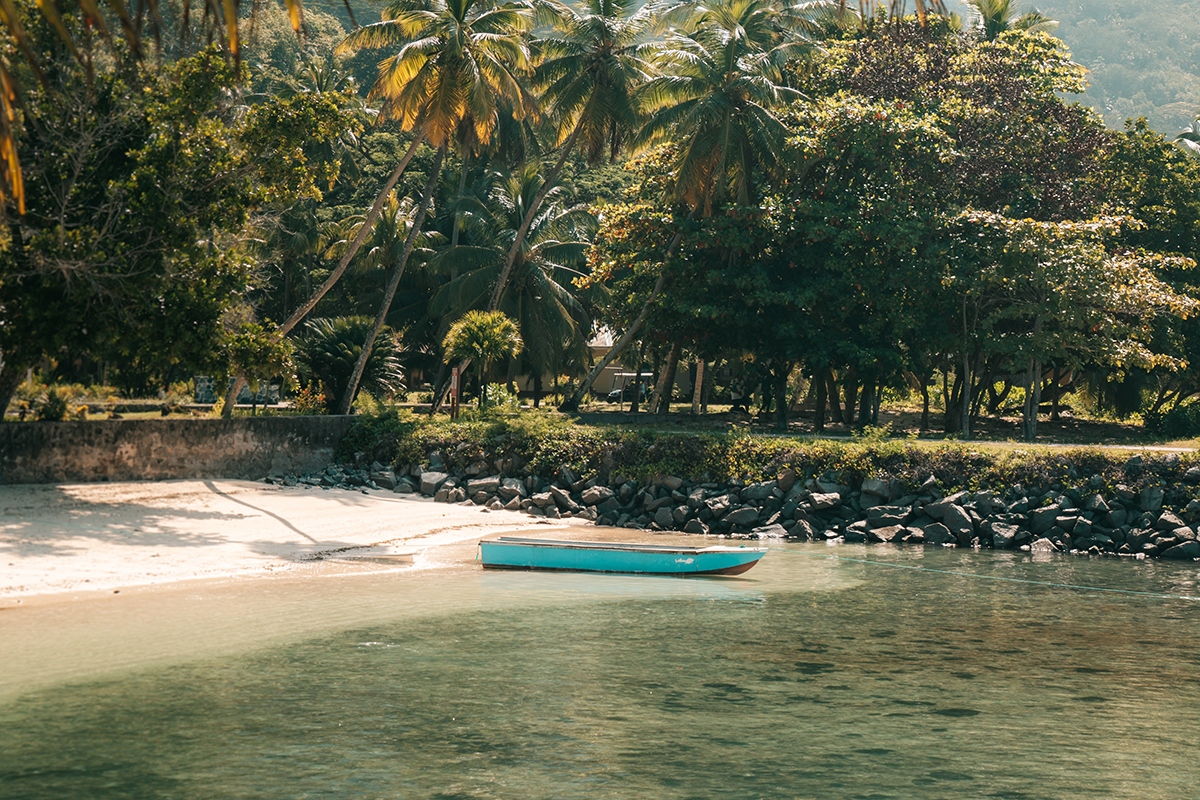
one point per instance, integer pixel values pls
(826, 202)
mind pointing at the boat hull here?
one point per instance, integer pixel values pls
(568, 556)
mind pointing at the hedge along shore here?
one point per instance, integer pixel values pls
(1086, 501)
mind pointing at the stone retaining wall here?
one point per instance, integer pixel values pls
(162, 449)
(1136, 518)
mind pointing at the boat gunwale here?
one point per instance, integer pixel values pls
(619, 546)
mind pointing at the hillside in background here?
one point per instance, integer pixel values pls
(1144, 57)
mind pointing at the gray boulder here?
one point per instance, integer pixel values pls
(510, 488)
(803, 530)
(491, 485)
(431, 482)
(543, 500)
(1184, 534)
(769, 532)
(829, 487)
(1151, 498)
(938, 510)
(718, 506)
(664, 519)
(1168, 522)
(672, 482)
(1042, 519)
(386, 478)
(937, 533)
(856, 532)
(825, 500)
(561, 498)
(958, 521)
(696, 526)
(595, 495)
(1004, 534)
(759, 491)
(1183, 552)
(881, 489)
(886, 534)
(742, 516)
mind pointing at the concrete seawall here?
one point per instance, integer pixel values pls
(154, 449)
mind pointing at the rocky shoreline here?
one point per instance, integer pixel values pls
(1092, 518)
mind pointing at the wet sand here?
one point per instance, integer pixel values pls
(59, 542)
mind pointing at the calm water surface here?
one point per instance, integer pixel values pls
(809, 677)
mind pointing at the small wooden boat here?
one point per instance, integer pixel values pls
(510, 552)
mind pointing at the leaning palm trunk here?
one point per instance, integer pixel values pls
(523, 231)
(376, 209)
(393, 283)
(572, 403)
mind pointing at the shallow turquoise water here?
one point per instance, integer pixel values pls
(809, 678)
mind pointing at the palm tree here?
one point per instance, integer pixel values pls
(896, 9)
(591, 66)
(329, 349)
(994, 17)
(483, 336)
(715, 101)
(538, 294)
(453, 72)
(1189, 137)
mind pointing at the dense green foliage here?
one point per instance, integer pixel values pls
(845, 207)
(541, 444)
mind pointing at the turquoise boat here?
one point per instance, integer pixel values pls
(510, 552)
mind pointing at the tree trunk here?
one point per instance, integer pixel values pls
(781, 403)
(547, 184)
(996, 399)
(376, 208)
(850, 389)
(832, 393)
(665, 390)
(636, 404)
(1029, 412)
(1056, 393)
(537, 390)
(820, 388)
(571, 405)
(698, 388)
(393, 283)
(866, 402)
(924, 406)
(952, 411)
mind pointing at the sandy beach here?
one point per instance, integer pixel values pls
(61, 540)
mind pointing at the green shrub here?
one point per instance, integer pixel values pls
(542, 442)
(1180, 422)
(330, 348)
(51, 406)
